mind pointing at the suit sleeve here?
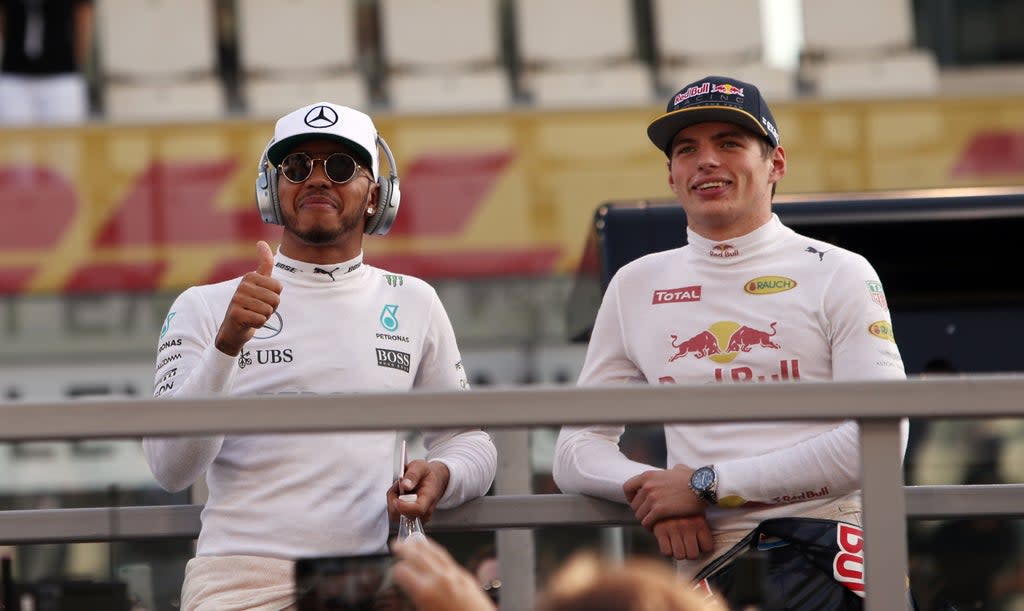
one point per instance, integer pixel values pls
(188, 365)
(587, 458)
(469, 454)
(856, 319)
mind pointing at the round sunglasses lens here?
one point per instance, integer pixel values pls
(297, 167)
(340, 167)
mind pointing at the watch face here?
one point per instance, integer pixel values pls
(703, 478)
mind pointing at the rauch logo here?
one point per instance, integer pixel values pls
(767, 285)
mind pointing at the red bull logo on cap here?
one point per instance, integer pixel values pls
(682, 96)
(723, 341)
(728, 89)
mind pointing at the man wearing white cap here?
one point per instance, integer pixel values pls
(314, 319)
(747, 300)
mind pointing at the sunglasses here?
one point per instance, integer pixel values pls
(339, 167)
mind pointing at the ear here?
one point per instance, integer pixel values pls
(372, 192)
(671, 179)
(778, 164)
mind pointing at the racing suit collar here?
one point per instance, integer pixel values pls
(742, 248)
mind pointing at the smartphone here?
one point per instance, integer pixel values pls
(347, 583)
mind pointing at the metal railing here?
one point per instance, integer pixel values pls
(877, 406)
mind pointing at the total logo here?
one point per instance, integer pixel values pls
(723, 341)
(679, 295)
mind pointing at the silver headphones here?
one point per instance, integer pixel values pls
(388, 194)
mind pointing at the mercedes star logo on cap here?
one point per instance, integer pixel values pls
(321, 116)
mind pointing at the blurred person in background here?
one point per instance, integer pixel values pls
(46, 50)
(432, 579)
(746, 300)
(483, 565)
(975, 563)
(588, 583)
(311, 319)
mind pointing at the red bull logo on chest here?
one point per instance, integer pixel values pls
(723, 341)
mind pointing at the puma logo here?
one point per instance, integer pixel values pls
(320, 270)
(815, 251)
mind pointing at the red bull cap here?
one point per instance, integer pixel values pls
(714, 98)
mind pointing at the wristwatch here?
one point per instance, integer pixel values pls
(704, 483)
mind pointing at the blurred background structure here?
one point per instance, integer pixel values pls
(511, 121)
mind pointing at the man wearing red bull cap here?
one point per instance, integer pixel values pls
(312, 318)
(746, 300)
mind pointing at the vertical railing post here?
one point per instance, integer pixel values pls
(516, 557)
(885, 515)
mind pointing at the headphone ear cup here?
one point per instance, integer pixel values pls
(267, 199)
(388, 197)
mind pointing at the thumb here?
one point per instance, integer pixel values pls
(266, 256)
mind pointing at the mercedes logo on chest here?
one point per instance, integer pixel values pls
(321, 116)
(271, 328)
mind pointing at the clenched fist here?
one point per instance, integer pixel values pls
(255, 299)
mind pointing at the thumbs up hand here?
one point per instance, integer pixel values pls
(266, 257)
(255, 299)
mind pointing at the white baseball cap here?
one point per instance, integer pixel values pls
(324, 120)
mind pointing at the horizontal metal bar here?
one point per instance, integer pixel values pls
(487, 513)
(963, 397)
(98, 524)
(947, 502)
